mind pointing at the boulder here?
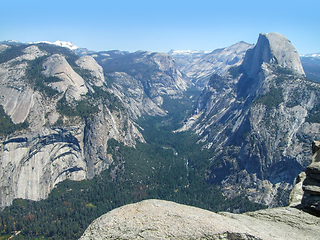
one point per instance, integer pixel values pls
(159, 219)
(315, 148)
(311, 185)
(313, 170)
(296, 194)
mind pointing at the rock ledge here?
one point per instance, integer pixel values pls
(159, 219)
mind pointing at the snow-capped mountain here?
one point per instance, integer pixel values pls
(66, 44)
(312, 55)
(69, 45)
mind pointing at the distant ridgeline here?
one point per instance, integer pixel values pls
(80, 136)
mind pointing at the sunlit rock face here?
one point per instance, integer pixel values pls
(272, 48)
(156, 74)
(73, 107)
(158, 219)
(59, 143)
(198, 66)
(259, 123)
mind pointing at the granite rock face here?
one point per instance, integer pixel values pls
(199, 66)
(59, 143)
(71, 83)
(32, 164)
(259, 123)
(311, 184)
(156, 73)
(272, 48)
(158, 219)
(16, 97)
(132, 94)
(73, 110)
(88, 63)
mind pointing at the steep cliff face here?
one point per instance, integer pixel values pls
(156, 73)
(132, 94)
(259, 123)
(70, 116)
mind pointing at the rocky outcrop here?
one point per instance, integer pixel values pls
(311, 184)
(17, 97)
(62, 141)
(71, 83)
(32, 164)
(272, 48)
(88, 63)
(104, 126)
(296, 194)
(259, 123)
(131, 92)
(158, 219)
(156, 72)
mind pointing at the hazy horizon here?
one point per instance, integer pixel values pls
(160, 26)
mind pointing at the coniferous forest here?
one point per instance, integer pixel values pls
(169, 166)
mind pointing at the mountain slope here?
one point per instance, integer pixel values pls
(69, 107)
(156, 72)
(259, 123)
(61, 100)
(200, 68)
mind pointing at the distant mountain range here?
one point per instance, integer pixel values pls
(189, 126)
(311, 65)
(312, 55)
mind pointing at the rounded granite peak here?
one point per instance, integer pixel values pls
(284, 53)
(273, 48)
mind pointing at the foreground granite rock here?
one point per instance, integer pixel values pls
(159, 219)
(311, 184)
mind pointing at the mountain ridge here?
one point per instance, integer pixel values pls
(218, 61)
(71, 108)
(89, 118)
(247, 118)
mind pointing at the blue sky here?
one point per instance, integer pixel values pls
(161, 25)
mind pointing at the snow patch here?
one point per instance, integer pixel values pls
(69, 45)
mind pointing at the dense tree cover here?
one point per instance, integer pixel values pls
(314, 115)
(6, 124)
(169, 166)
(272, 98)
(109, 99)
(11, 53)
(82, 108)
(235, 71)
(38, 80)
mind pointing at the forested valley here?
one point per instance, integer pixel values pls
(169, 166)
